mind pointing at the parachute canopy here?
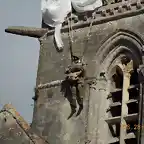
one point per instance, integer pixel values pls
(54, 12)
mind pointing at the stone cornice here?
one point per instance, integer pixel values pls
(101, 15)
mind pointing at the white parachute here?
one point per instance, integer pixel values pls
(85, 5)
(54, 13)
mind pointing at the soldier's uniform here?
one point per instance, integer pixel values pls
(74, 77)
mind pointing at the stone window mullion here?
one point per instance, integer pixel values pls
(124, 111)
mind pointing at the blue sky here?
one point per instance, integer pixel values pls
(18, 55)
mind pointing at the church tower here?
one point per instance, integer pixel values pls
(111, 43)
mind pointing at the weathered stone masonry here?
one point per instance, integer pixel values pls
(117, 34)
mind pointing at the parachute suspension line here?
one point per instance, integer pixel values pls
(70, 38)
(88, 37)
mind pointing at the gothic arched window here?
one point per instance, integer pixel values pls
(122, 114)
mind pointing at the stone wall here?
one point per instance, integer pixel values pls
(52, 109)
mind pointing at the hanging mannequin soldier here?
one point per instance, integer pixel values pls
(74, 78)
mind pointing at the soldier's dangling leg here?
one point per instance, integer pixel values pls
(72, 100)
(66, 89)
(79, 99)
